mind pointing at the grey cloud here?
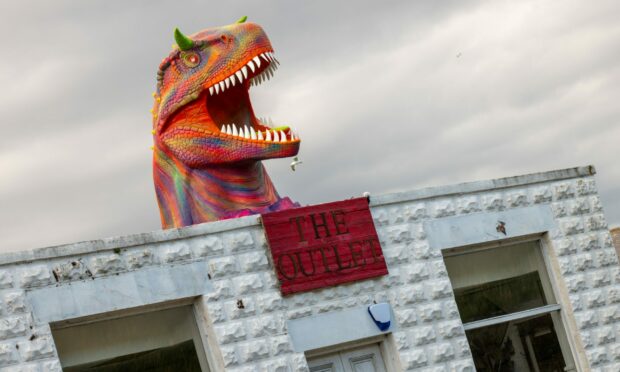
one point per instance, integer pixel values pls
(376, 89)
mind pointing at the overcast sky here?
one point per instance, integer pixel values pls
(387, 96)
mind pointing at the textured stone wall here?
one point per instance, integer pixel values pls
(247, 315)
(582, 245)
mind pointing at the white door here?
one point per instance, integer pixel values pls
(365, 359)
(330, 363)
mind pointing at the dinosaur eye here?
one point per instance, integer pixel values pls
(190, 59)
(224, 38)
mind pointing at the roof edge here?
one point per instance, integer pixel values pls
(485, 185)
(93, 246)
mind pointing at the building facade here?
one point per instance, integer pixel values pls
(515, 274)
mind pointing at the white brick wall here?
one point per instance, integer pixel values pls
(249, 315)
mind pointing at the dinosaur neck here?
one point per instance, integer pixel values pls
(189, 196)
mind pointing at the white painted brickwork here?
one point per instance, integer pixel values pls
(247, 314)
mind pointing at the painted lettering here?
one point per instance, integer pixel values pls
(325, 245)
(281, 268)
(372, 249)
(338, 217)
(300, 232)
(339, 260)
(317, 226)
(301, 263)
(323, 258)
(357, 254)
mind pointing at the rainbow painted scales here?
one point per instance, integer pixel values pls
(208, 145)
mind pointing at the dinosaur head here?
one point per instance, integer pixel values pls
(202, 114)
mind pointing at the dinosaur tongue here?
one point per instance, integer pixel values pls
(232, 106)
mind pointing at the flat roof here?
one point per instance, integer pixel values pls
(92, 246)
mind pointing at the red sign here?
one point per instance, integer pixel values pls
(324, 245)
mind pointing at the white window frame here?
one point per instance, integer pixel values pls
(519, 315)
(203, 346)
(548, 273)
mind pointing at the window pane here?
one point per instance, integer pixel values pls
(180, 357)
(519, 346)
(495, 282)
(158, 341)
(500, 297)
(489, 265)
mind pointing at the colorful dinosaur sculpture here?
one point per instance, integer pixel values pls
(208, 143)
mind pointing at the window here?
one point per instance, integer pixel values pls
(508, 308)
(364, 359)
(157, 341)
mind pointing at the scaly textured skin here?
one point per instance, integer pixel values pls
(202, 171)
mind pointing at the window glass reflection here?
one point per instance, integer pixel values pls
(522, 346)
(500, 297)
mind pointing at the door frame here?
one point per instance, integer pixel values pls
(387, 348)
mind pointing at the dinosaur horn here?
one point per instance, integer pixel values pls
(183, 41)
(242, 19)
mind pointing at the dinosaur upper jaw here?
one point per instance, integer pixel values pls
(220, 126)
(229, 106)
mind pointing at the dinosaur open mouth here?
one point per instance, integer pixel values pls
(229, 106)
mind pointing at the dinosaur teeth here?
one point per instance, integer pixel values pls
(242, 74)
(257, 61)
(270, 135)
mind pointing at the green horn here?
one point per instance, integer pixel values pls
(242, 19)
(183, 41)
